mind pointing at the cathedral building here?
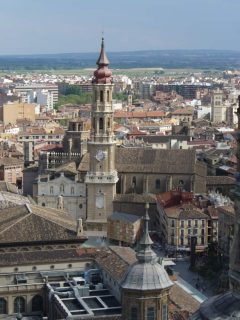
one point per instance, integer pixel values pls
(105, 173)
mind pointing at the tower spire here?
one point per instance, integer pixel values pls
(102, 75)
(145, 253)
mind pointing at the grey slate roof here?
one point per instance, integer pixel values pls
(147, 276)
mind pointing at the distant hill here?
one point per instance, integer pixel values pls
(174, 59)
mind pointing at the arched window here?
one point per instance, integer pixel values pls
(62, 188)
(101, 96)
(134, 313)
(19, 305)
(134, 181)
(181, 182)
(51, 190)
(108, 96)
(37, 303)
(72, 190)
(157, 184)
(100, 123)
(3, 306)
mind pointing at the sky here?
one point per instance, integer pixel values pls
(63, 26)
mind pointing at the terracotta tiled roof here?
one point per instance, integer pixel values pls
(183, 111)
(182, 300)
(150, 160)
(10, 161)
(139, 114)
(155, 160)
(220, 180)
(29, 223)
(45, 254)
(115, 261)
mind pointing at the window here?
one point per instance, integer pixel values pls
(172, 223)
(182, 223)
(51, 190)
(109, 123)
(189, 223)
(80, 206)
(202, 240)
(101, 123)
(62, 188)
(157, 184)
(37, 303)
(203, 223)
(101, 96)
(108, 96)
(72, 190)
(134, 181)
(19, 305)
(3, 306)
(189, 231)
(196, 223)
(164, 312)
(181, 183)
(182, 233)
(134, 313)
(150, 313)
(43, 204)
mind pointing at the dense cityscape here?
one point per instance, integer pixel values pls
(120, 185)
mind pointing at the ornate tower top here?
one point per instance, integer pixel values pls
(145, 253)
(102, 75)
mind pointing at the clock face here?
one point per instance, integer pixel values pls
(100, 155)
(100, 200)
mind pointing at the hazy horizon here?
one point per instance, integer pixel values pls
(58, 26)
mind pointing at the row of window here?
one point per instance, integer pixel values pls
(190, 223)
(40, 137)
(157, 183)
(182, 242)
(19, 304)
(62, 189)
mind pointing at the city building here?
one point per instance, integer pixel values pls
(11, 170)
(180, 222)
(123, 228)
(43, 94)
(62, 189)
(10, 113)
(219, 109)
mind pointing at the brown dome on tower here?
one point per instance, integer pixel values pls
(102, 75)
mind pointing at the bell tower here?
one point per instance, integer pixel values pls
(102, 177)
